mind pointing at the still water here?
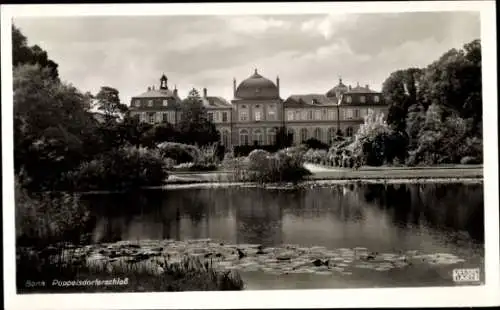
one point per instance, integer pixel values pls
(430, 218)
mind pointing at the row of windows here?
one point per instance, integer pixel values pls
(150, 102)
(157, 117)
(217, 116)
(324, 115)
(258, 137)
(258, 116)
(362, 99)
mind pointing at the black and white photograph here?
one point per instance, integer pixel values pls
(328, 154)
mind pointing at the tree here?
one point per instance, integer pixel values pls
(51, 125)
(194, 126)
(284, 139)
(371, 142)
(108, 101)
(400, 91)
(414, 122)
(24, 54)
(454, 81)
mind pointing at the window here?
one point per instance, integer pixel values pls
(317, 134)
(304, 115)
(258, 116)
(165, 102)
(331, 115)
(150, 103)
(317, 114)
(243, 116)
(291, 133)
(271, 136)
(331, 135)
(297, 115)
(271, 113)
(137, 103)
(362, 99)
(151, 118)
(243, 106)
(348, 99)
(243, 137)
(257, 137)
(376, 99)
(164, 117)
(348, 113)
(324, 115)
(303, 134)
(144, 117)
(290, 115)
(224, 117)
(349, 131)
(356, 113)
(216, 116)
(310, 115)
(210, 116)
(225, 138)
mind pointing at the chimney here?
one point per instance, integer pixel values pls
(234, 86)
(204, 93)
(367, 86)
(149, 88)
(350, 87)
(278, 82)
(175, 90)
(153, 87)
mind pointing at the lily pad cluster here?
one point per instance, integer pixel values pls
(285, 259)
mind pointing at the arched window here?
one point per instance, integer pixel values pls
(317, 134)
(243, 137)
(271, 136)
(225, 137)
(349, 131)
(257, 137)
(331, 135)
(303, 134)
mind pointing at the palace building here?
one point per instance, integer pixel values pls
(257, 111)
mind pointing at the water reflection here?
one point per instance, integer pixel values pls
(438, 217)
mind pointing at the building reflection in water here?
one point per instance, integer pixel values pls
(258, 217)
(371, 215)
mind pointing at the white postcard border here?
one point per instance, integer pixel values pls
(486, 295)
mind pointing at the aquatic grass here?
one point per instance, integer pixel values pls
(159, 275)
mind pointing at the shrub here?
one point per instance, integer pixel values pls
(315, 144)
(45, 218)
(181, 153)
(263, 167)
(120, 169)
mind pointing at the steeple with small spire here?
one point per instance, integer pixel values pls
(163, 82)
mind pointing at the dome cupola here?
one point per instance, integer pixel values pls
(256, 87)
(337, 90)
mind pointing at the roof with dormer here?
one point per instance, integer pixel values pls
(215, 102)
(156, 93)
(309, 100)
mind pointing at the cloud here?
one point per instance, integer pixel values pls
(308, 52)
(255, 24)
(329, 25)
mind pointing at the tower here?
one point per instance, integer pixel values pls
(163, 82)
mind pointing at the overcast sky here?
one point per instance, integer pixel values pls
(308, 52)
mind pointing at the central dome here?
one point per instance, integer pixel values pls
(257, 87)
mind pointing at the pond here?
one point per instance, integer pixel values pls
(445, 220)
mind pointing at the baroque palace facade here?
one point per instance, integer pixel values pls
(257, 111)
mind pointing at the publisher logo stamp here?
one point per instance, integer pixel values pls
(466, 275)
